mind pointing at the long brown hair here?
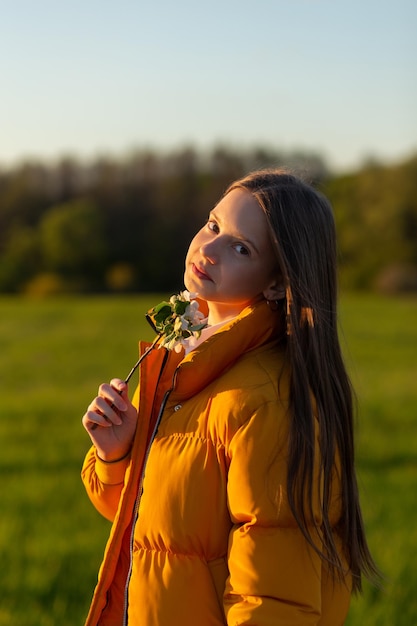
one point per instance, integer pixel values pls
(302, 226)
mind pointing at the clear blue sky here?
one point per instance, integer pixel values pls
(87, 77)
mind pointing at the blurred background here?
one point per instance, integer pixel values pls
(121, 124)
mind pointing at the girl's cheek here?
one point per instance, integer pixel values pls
(194, 243)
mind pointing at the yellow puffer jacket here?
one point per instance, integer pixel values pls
(202, 529)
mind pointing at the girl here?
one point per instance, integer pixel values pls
(230, 478)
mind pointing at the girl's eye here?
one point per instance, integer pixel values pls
(241, 249)
(211, 225)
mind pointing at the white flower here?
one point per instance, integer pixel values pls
(178, 324)
(183, 322)
(188, 296)
(177, 320)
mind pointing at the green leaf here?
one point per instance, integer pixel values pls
(162, 311)
(198, 327)
(180, 306)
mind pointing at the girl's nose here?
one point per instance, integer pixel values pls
(208, 251)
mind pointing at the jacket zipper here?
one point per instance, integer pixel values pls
(139, 495)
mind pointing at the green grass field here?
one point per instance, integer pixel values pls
(54, 354)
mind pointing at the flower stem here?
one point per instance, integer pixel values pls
(132, 371)
(139, 361)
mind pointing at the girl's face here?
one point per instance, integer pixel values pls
(231, 262)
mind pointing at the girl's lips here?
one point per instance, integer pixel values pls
(200, 272)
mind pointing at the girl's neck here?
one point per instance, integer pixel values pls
(220, 313)
(214, 319)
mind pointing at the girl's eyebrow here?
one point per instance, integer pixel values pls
(237, 234)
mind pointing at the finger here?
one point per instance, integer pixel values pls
(112, 397)
(102, 413)
(120, 386)
(109, 411)
(92, 420)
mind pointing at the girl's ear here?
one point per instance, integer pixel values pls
(275, 291)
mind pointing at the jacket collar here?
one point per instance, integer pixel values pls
(254, 327)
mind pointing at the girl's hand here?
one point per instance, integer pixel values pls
(110, 421)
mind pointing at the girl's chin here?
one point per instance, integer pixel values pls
(194, 285)
(191, 285)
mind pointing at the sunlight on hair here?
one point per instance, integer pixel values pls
(307, 316)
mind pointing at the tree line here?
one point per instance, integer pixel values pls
(124, 225)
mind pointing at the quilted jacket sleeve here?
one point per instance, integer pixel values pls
(104, 482)
(275, 577)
